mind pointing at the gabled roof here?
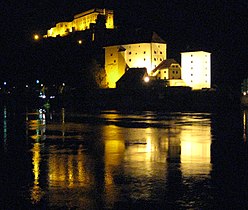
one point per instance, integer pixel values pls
(132, 77)
(133, 37)
(165, 64)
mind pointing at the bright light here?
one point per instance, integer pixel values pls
(26, 86)
(244, 93)
(42, 96)
(37, 81)
(63, 84)
(5, 83)
(36, 37)
(146, 79)
(80, 41)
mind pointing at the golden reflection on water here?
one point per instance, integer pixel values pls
(245, 125)
(137, 152)
(36, 191)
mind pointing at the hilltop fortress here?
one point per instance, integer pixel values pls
(81, 22)
(145, 50)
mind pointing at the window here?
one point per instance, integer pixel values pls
(155, 59)
(191, 61)
(191, 55)
(130, 53)
(155, 52)
(173, 72)
(191, 75)
(165, 71)
(191, 67)
(130, 60)
(161, 59)
(114, 61)
(191, 81)
(144, 59)
(161, 52)
(144, 52)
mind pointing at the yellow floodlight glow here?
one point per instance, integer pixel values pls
(146, 79)
(36, 37)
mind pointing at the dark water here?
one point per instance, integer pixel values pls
(123, 160)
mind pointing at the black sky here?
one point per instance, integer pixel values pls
(220, 27)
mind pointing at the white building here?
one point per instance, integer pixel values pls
(119, 58)
(196, 69)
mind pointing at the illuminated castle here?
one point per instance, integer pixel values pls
(82, 22)
(139, 50)
(151, 54)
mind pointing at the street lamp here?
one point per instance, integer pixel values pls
(36, 37)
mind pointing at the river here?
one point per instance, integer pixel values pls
(123, 159)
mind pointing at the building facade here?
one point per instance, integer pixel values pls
(119, 58)
(196, 69)
(82, 22)
(169, 70)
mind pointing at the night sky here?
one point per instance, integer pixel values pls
(220, 27)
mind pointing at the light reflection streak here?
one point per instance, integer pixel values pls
(5, 127)
(245, 125)
(36, 191)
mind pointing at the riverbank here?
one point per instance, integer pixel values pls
(169, 99)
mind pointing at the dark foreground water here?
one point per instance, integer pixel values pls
(123, 160)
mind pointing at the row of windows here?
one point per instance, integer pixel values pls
(193, 68)
(155, 52)
(173, 72)
(193, 62)
(192, 55)
(139, 46)
(193, 75)
(192, 81)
